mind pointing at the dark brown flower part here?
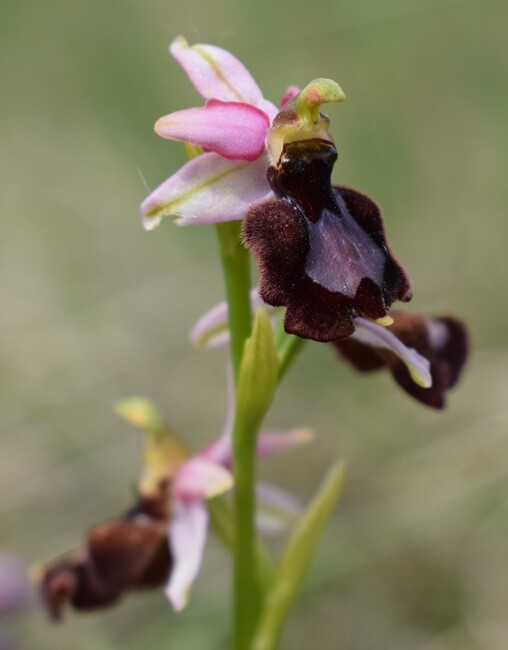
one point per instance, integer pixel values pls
(118, 556)
(321, 250)
(442, 340)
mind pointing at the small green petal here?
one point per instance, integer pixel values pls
(142, 413)
(164, 450)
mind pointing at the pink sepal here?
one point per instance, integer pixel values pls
(215, 73)
(208, 189)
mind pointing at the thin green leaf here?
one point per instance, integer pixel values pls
(296, 560)
(257, 381)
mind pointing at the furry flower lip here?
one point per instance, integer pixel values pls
(321, 249)
(118, 556)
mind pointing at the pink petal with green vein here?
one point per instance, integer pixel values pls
(233, 130)
(215, 73)
(208, 189)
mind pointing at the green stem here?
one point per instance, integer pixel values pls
(236, 268)
(247, 586)
(223, 525)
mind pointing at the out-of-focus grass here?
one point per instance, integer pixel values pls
(95, 309)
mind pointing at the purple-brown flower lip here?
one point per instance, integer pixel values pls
(118, 556)
(302, 175)
(321, 249)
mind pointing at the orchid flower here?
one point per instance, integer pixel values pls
(321, 249)
(161, 540)
(425, 355)
(202, 477)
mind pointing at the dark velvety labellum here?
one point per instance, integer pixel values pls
(321, 250)
(118, 556)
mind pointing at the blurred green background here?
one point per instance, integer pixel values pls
(95, 309)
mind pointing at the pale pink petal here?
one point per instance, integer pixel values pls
(278, 498)
(208, 189)
(291, 92)
(15, 589)
(211, 330)
(276, 508)
(269, 443)
(268, 522)
(378, 336)
(200, 478)
(273, 442)
(221, 450)
(215, 73)
(233, 130)
(187, 537)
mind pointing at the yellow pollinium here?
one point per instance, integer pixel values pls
(386, 321)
